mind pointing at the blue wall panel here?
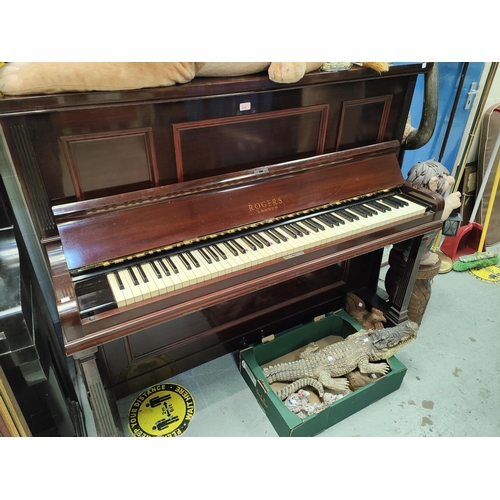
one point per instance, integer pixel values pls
(449, 77)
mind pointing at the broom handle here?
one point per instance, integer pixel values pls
(490, 208)
(485, 180)
(475, 123)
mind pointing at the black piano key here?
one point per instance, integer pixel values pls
(297, 230)
(184, 261)
(262, 240)
(402, 200)
(119, 280)
(346, 214)
(238, 246)
(360, 211)
(386, 205)
(212, 254)
(335, 219)
(205, 255)
(249, 243)
(172, 265)
(301, 228)
(309, 223)
(135, 281)
(343, 218)
(156, 270)
(393, 202)
(330, 219)
(369, 209)
(326, 221)
(278, 234)
(372, 209)
(231, 248)
(289, 231)
(255, 241)
(164, 267)
(192, 258)
(379, 206)
(142, 274)
(316, 222)
(220, 251)
(272, 236)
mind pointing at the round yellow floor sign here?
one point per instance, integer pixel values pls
(490, 273)
(163, 410)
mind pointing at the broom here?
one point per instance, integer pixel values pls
(480, 259)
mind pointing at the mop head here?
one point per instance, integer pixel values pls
(475, 261)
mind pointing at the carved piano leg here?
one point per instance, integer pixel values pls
(401, 280)
(104, 415)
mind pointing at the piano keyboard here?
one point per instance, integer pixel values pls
(186, 267)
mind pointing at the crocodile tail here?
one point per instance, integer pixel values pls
(283, 371)
(298, 384)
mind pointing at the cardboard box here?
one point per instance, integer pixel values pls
(284, 421)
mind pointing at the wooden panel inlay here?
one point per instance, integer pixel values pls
(30, 172)
(363, 121)
(111, 162)
(248, 141)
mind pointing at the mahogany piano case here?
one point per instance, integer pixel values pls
(179, 224)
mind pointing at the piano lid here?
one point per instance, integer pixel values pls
(96, 231)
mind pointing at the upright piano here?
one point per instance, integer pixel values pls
(179, 224)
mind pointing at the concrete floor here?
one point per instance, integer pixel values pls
(451, 388)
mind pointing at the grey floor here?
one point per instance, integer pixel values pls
(451, 388)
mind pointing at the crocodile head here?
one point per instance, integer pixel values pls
(386, 341)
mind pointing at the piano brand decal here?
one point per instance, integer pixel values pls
(163, 410)
(265, 205)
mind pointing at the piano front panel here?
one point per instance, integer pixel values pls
(213, 147)
(84, 154)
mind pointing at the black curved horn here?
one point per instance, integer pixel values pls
(421, 136)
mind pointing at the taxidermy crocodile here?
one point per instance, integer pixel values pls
(317, 367)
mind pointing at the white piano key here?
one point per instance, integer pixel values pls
(152, 281)
(211, 270)
(208, 271)
(174, 276)
(142, 288)
(145, 288)
(197, 271)
(186, 276)
(235, 261)
(118, 294)
(257, 256)
(163, 282)
(129, 290)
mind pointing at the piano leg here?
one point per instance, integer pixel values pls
(404, 262)
(103, 407)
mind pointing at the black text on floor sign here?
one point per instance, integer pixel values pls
(163, 410)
